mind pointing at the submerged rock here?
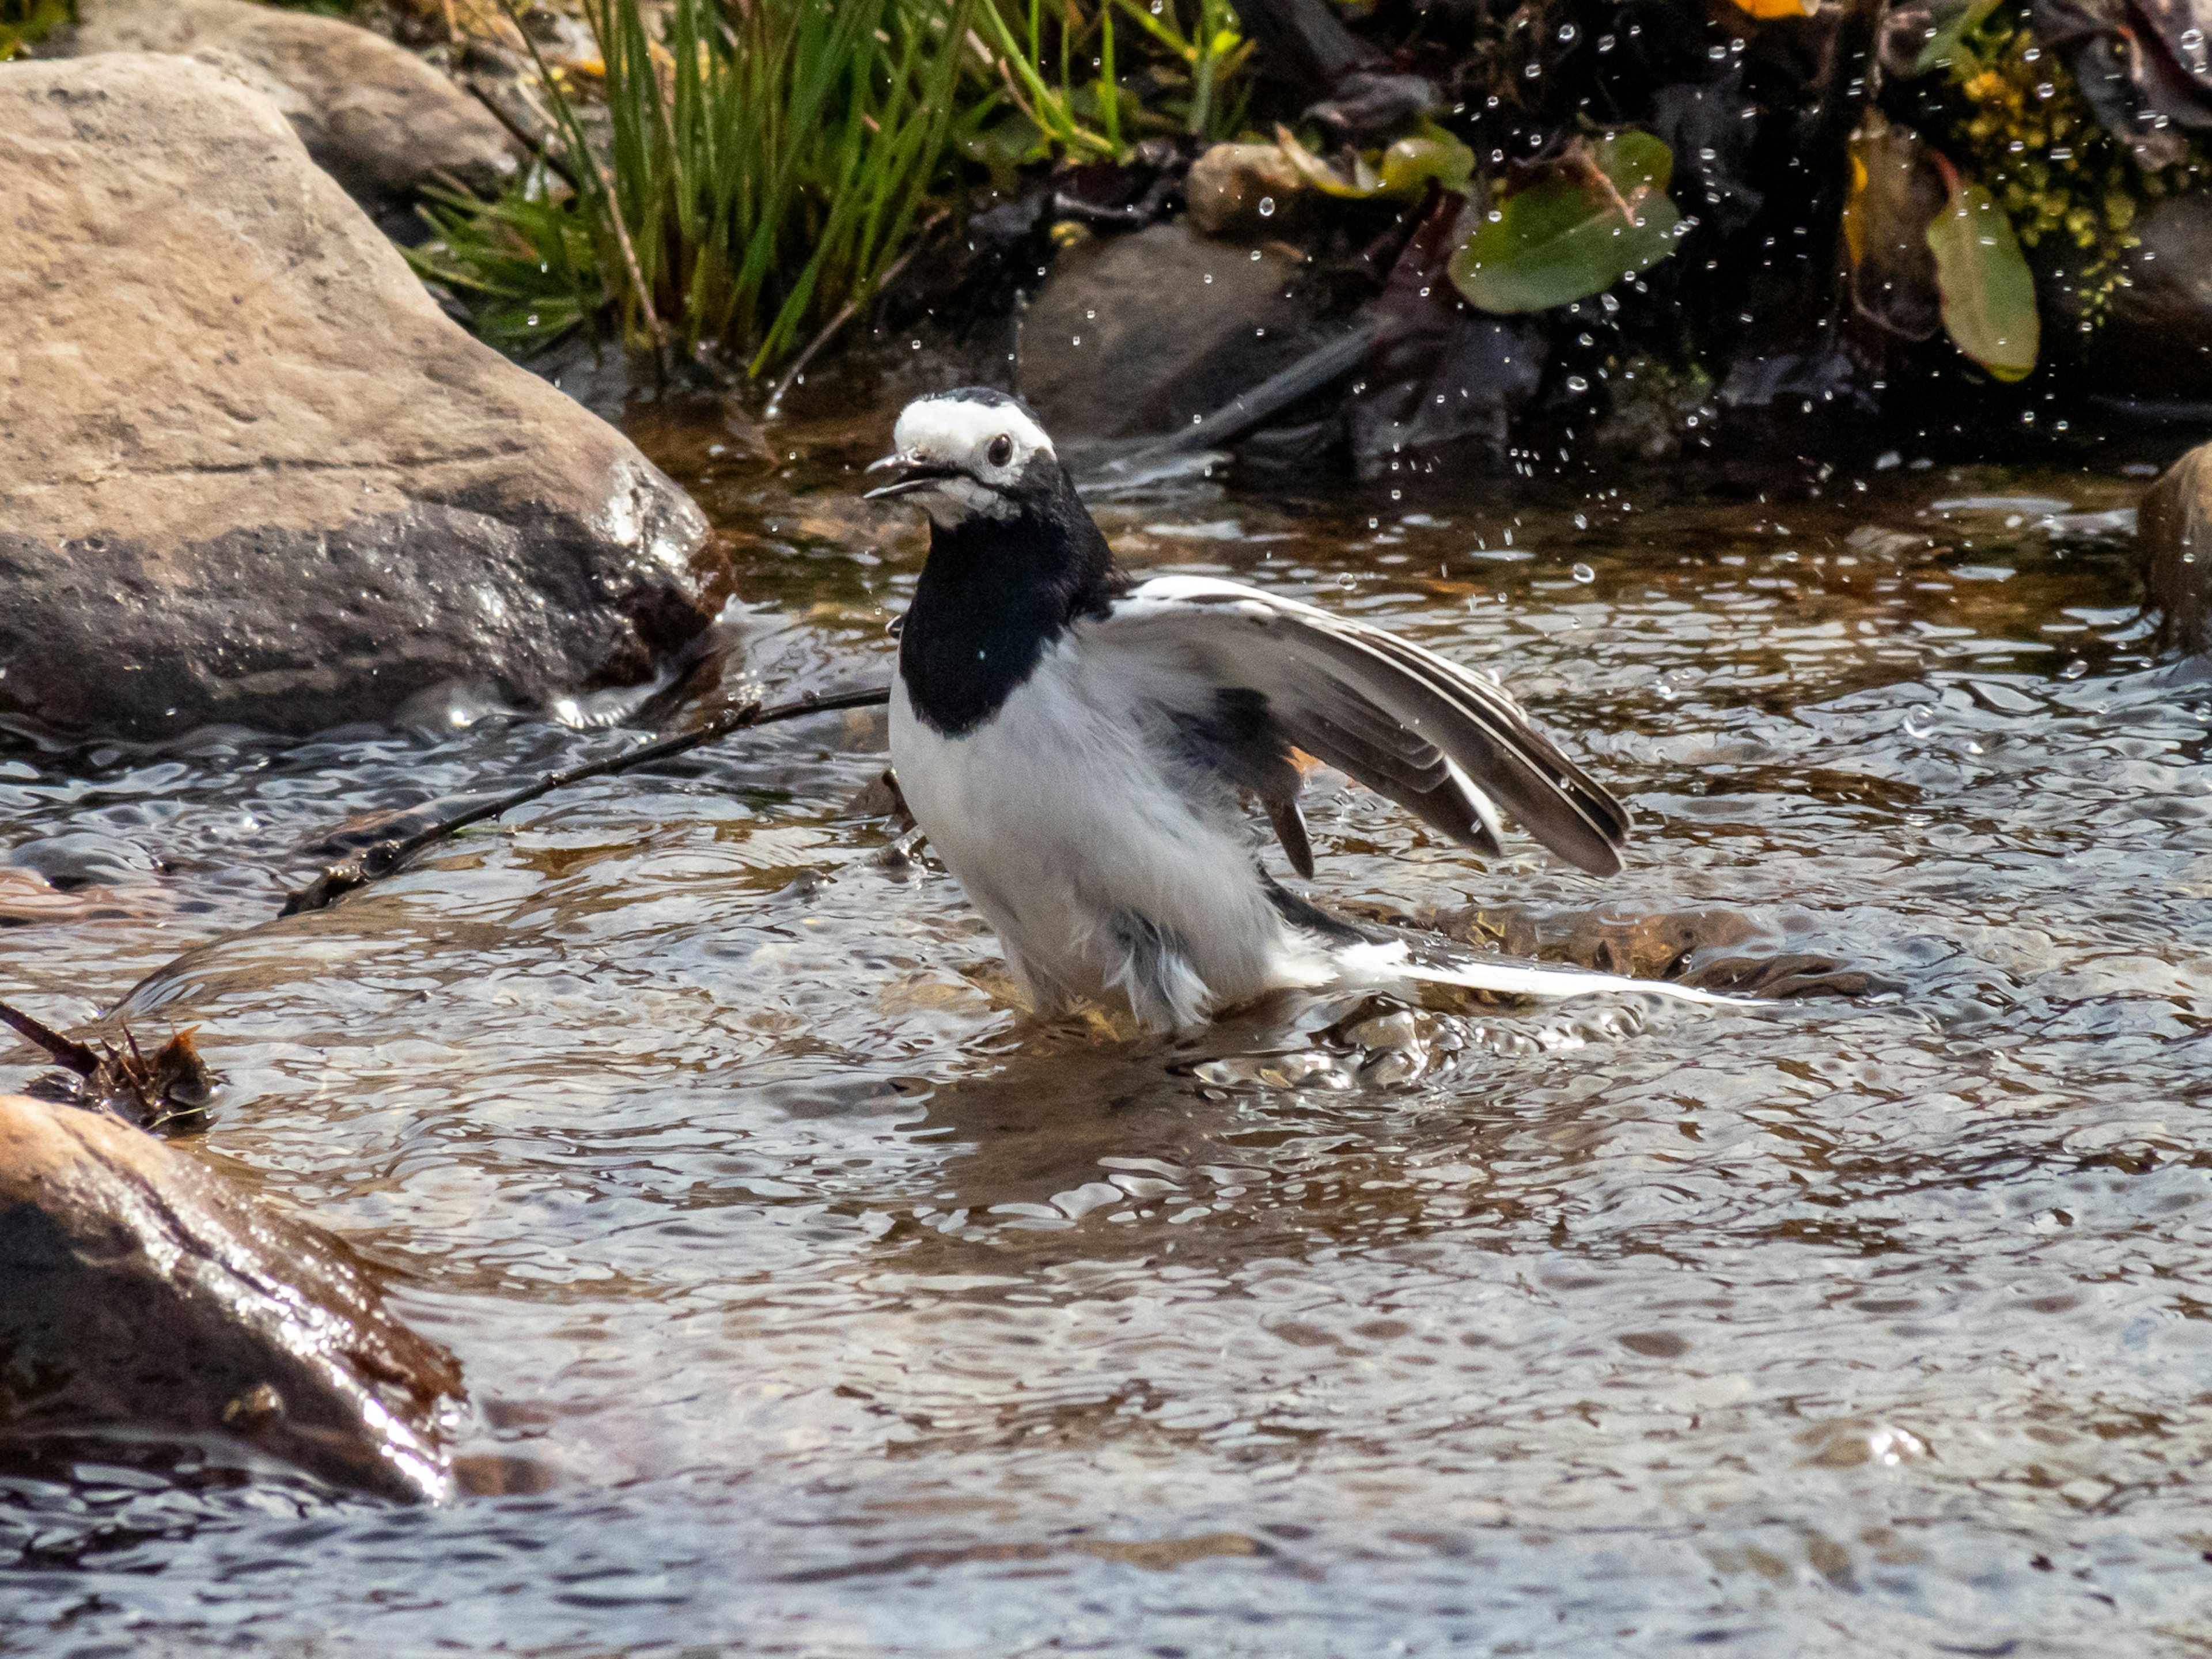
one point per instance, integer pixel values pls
(2173, 550)
(1441, 373)
(141, 1293)
(255, 475)
(1711, 947)
(1143, 332)
(375, 116)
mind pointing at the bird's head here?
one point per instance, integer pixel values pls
(970, 454)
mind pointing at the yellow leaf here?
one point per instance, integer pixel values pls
(1406, 166)
(1769, 9)
(1410, 163)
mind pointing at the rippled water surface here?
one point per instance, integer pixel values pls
(814, 1299)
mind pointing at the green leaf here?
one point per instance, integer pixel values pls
(1950, 38)
(1989, 293)
(1410, 163)
(1405, 168)
(1601, 215)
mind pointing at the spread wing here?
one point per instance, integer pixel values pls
(1438, 740)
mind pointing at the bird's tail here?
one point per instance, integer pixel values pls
(1385, 962)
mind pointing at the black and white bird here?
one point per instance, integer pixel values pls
(1076, 745)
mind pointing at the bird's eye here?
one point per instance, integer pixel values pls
(1001, 450)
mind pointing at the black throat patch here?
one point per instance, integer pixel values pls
(994, 596)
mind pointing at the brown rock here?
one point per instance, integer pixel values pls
(1139, 332)
(375, 116)
(2174, 548)
(140, 1291)
(254, 474)
(1244, 190)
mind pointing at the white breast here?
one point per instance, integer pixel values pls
(1064, 812)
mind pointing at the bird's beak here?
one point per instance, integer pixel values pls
(914, 473)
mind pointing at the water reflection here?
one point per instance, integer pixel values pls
(785, 1254)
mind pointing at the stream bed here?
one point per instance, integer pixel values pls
(814, 1299)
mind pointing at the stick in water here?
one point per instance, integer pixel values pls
(383, 858)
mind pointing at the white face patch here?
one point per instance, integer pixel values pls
(952, 431)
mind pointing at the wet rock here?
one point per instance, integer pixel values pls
(2154, 341)
(1440, 372)
(2173, 550)
(376, 118)
(1245, 190)
(1715, 150)
(2143, 67)
(1653, 410)
(140, 1292)
(1306, 42)
(1367, 109)
(255, 475)
(1144, 332)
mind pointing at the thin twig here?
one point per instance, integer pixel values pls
(1331, 360)
(63, 1051)
(383, 858)
(630, 256)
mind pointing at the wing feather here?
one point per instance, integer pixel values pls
(1442, 742)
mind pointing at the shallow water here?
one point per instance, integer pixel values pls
(813, 1299)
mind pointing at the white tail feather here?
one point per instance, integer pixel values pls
(1393, 961)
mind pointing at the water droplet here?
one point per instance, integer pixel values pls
(1582, 572)
(1347, 581)
(1267, 207)
(2074, 670)
(1919, 722)
(1576, 383)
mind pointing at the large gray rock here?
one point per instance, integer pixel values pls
(1139, 332)
(141, 1293)
(375, 116)
(254, 474)
(2174, 548)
